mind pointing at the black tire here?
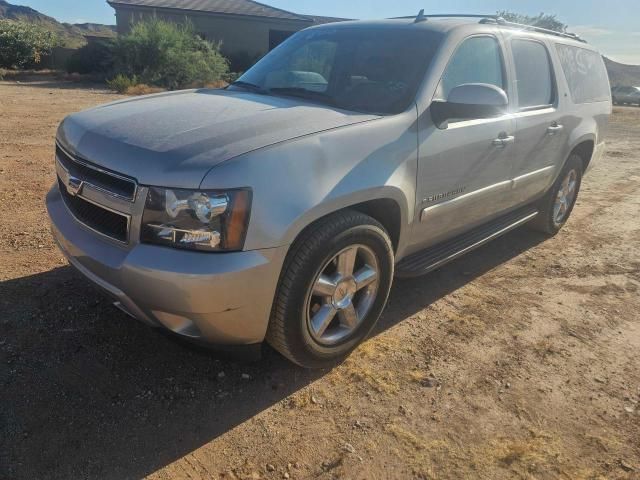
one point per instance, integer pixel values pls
(288, 331)
(546, 221)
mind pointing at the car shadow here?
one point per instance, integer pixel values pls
(89, 393)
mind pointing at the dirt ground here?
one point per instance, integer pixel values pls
(517, 361)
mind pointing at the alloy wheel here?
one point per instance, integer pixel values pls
(342, 295)
(565, 197)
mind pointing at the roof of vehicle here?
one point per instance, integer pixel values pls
(447, 23)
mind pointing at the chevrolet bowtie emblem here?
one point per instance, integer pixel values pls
(74, 186)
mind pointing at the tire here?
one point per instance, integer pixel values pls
(550, 218)
(300, 327)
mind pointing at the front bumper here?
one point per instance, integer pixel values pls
(222, 298)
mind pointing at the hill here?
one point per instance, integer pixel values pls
(621, 74)
(71, 35)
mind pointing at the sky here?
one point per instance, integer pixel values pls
(611, 25)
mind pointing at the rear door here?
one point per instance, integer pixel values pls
(541, 135)
(463, 170)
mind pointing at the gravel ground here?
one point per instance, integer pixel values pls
(517, 361)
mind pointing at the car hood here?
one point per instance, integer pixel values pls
(174, 139)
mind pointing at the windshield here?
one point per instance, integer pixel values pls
(372, 70)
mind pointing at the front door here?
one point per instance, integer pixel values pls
(464, 170)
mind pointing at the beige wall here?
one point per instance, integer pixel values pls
(237, 34)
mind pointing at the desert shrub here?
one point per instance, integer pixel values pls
(142, 89)
(122, 83)
(95, 57)
(24, 44)
(168, 55)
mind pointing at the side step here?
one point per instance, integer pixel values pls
(434, 257)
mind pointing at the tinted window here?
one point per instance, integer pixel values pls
(585, 73)
(477, 60)
(534, 76)
(367, 70)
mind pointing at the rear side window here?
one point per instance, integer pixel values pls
(585, 73)
(534, 76)
(477, 60)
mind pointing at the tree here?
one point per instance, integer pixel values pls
(168, 55)
(543, 20)
(24, 44)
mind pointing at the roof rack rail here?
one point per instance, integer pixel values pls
(421, 17)
(498, 20)
(495, 19)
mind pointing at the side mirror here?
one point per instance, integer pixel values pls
(470, 101)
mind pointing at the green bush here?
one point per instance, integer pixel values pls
(24, 44)
(95, 57)
(121, 83)
(167, 55)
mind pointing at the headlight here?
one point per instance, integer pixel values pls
(197, 220)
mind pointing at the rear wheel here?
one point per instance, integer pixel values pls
(333, 287)
(558, 203)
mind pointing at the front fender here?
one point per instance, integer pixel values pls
(297, 182)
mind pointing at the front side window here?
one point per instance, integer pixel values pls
(477, 60)
(534, 76)
(372, 70)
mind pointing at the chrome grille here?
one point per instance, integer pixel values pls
(106, 222)
(99, 199)
(110, 182)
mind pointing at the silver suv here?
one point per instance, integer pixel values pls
(281, 207)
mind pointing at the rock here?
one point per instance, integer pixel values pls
(629, 409)
(626, 466)
(246, 376)
(270, 468)
(286, 475)
(221, 375)
(403, 410)
(429, 382)
(314, 400)
(347, 447)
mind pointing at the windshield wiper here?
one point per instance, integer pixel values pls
(302, 93)
(250, 86)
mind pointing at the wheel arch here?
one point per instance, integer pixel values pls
(388, 206)
(584, 149)
(583, 146)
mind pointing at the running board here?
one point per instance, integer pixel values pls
(434, 257)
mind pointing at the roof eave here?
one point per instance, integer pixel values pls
(115, 3)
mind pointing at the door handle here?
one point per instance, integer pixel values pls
(504, 140)
(554, 128)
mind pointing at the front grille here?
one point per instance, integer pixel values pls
(97, 218)
(111, 182)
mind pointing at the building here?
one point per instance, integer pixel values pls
(245, 28)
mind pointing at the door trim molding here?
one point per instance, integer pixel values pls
(476, 195)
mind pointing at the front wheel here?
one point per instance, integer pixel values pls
(557, 205)
(334, 286)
